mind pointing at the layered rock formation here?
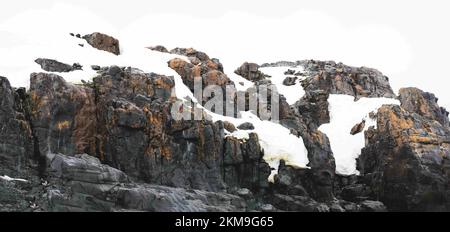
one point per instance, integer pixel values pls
(406, 161)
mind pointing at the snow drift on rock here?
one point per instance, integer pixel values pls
(291, 93)
(344, 114)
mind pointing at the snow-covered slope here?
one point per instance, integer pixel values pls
(344, 114)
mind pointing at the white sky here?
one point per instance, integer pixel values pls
(405, 39)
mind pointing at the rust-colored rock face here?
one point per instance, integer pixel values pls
(199, 67)
(103, 42)
(124, 118)
(407, 160)
(63, 115)
(209, 73)
(423, 103)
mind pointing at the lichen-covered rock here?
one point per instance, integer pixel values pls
(138, 135)
(50, 65)
(341, 79)
(63, 115)
(250, 71)
(124, 118)
(103, 42)
(425, 104)
(406, 161)
(207, 73)
(197, 57)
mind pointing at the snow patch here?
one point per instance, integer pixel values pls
(238, 80)
(18, 62)
(277, 141)
(239, 134)
(7, 178)
(291, 93)
(344, 114)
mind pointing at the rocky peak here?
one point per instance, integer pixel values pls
(425, 104)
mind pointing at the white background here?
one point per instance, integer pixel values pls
(406, 40)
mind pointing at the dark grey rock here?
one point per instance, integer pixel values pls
(159, 48)
(289, 72)
(16, 143)
(289, 81)
(89, 185)
(250, 71)
(50, 65)
(246, 126)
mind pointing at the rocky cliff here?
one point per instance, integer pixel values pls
(112, 144)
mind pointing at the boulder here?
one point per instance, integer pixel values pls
(250, 71)
(50, 65)
(289, 81)
(358, 128)
(246, 126)
(103, 42)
